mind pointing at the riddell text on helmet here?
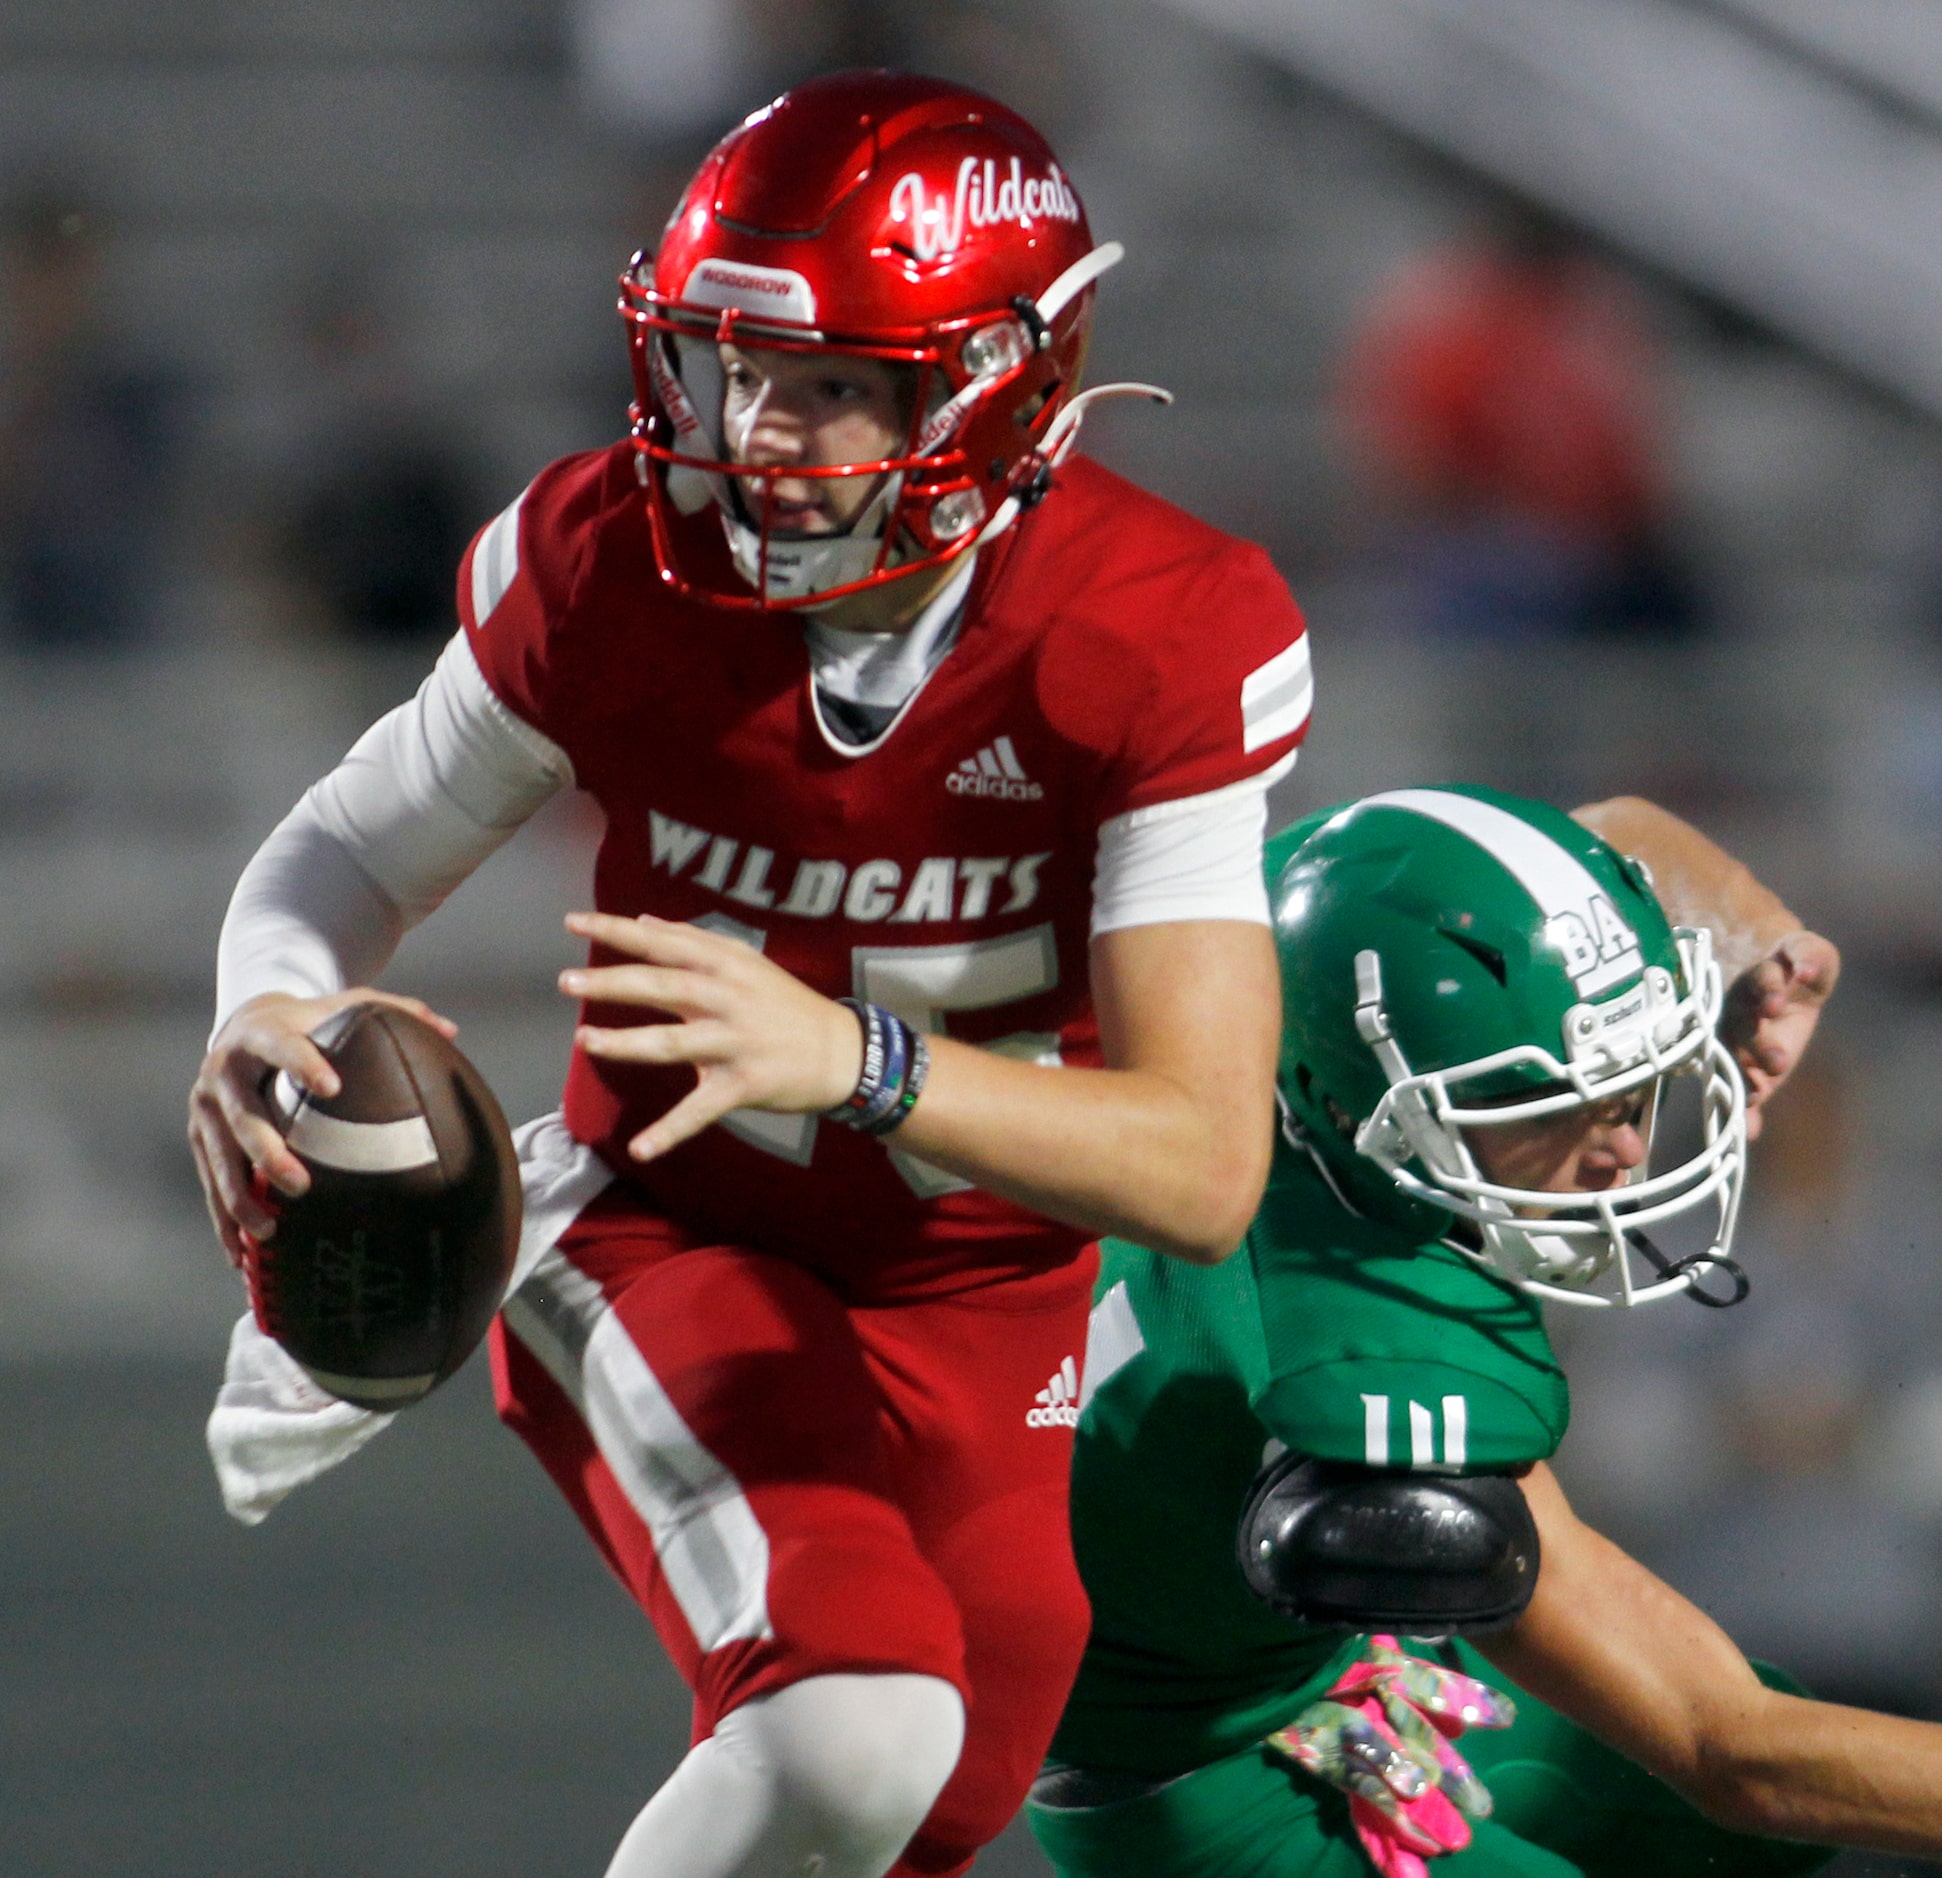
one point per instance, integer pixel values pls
(981, 200)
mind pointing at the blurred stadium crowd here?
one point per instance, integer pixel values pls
(293, 296)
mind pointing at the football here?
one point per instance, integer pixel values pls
(381, 1280)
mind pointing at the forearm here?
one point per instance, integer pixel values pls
(1698, 883)
(1834, 1775)
(1126, 1152)
(1625, 1656)
(304, 920)
(1169, 1144)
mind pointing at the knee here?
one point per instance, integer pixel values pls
(858, 1759)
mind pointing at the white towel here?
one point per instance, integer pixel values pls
(273, 1429)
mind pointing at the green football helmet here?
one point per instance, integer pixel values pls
(1455, 959)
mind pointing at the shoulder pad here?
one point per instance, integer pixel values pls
(1370, 1549)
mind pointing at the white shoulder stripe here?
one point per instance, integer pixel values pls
(1556, 879)
(1208, 802)
(495, 561)
(1113, 1339)
(1277, 696)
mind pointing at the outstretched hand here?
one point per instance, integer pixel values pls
(1771, 1011)
(756, 1036)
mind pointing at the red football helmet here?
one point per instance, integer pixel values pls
(866, 215)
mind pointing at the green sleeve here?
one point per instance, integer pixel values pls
(1392, 1354)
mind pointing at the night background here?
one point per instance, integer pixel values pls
(1580, 361)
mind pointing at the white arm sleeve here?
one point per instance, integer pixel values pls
(1198, 857)
(422, 798)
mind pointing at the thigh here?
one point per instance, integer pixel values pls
(979, 1401)
(708, 1412)
(1250, 1816)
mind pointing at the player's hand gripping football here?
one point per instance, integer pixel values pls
(1771, 1011)
(1382, 1735)
(756, 1036)
(239, 1151)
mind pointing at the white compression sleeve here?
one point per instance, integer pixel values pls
(425, 795)
(828, 1777)
(1197, 857)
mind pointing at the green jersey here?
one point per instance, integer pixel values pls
(1348, 1340)
(1326, 1333)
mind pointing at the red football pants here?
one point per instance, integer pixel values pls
(792, 1486)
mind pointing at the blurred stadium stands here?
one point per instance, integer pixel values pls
(418, 1667)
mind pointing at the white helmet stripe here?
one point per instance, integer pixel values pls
(1600, 949)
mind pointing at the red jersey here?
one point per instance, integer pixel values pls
(1103, 665)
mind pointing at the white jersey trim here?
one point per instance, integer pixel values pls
(1196, 857)
(495, 561)
(706, 1535)
(1277, 696)
(1113, 1339)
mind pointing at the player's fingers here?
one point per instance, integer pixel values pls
(417, 1007)
(1462, 1701)
(1389, 1857)
(293, 1052)
(1432, 1826)
(1395, 1823)
(1813, 959)
(249, 1127)
(1459, 1781)
(701, 1107)
(680, 992)
(656, 941)
(1420, 1745)
(1370, 1750)
(698, 1042)
(228, 1177)
(1746, 999)
(228, 1236)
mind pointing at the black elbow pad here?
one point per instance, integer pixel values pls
(1372, 1550)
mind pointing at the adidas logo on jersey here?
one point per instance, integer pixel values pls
(994, 771)
(1058, 1401)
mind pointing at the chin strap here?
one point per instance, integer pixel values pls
(1060, 435)
(1063, 431)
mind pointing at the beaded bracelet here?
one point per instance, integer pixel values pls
(896, 1060)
